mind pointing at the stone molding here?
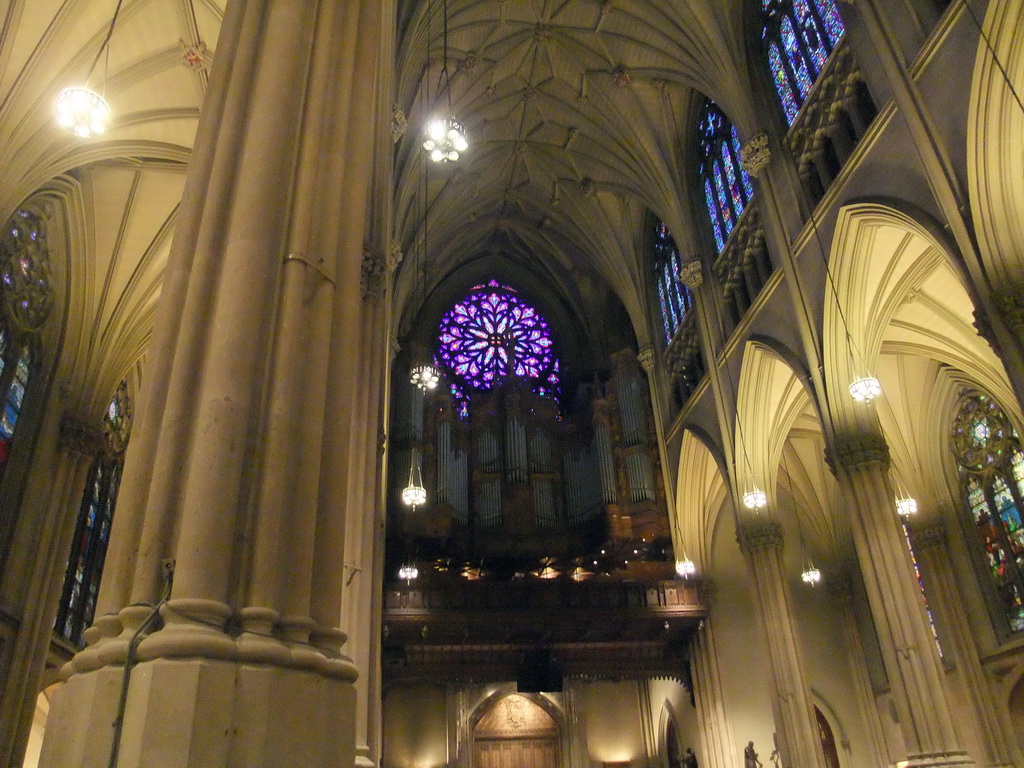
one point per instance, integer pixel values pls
(760, 533)
(857, 452)
(80, 437)
(756, 154)
(399, 123)
(691, 274)
(646, 358)
(927, 537)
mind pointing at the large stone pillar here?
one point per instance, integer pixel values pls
(240, 482)
(860, 463)
(995, 734)
(716, 735)
(841, 590)
(761, 541)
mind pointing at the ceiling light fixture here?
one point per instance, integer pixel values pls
(686, 567)
(444, 139)
(80, 109)
(755, 499)
(865, 389)
(414, 494)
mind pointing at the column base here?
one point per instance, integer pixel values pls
(940, 760)
(363, 759)
(203, 713)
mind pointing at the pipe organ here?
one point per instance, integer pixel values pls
(520, 477)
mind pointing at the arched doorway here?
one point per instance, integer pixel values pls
(828, 740)
(516, 733)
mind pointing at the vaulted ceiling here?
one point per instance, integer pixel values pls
(576, 111)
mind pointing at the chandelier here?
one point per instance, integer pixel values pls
(865, 389)
(444, 139)
(755, 499)
(408, 573)
(425, 377)
(811, 575)
(906, 506)
(414, 494)
(80, 109)
(686, 567)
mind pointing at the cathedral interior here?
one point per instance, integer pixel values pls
(512, 383)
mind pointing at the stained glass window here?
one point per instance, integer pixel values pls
(491, 336)
(92, 533)
(727, 188)
(920, 585)
(799, 36)
(674, 297)
(992, 474)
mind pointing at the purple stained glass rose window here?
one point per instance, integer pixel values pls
(492, 335)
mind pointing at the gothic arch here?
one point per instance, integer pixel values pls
(508, 720)
(769, 399)
(894, 291)
(700, 492)
(995, 128)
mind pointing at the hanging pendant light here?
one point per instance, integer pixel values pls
(78, 108)
(686, 568)
(865, 389)
(425, 377)
(414, 494)
(755, 499)
(82, 111)
(408, 573)
(906, 506)
(811, 575)
(444, 138)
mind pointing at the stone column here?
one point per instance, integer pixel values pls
(995, 735)
(716, 736)
(841, 591)
(761, 541)
(41, 576)
(860, 463)
(239, 455)
(364, 539)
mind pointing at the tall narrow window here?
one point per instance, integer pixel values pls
(727, 188)
(674, 297)
(991, 466)
(26, 300)
(92, 532)
(799, 36)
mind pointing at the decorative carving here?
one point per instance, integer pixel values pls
(708, 591)
(117, 424)
(80, 437)
(928, 537)
(742, 253)
(622, 76)
(1009, 304)
(856, 452)
(646, 358)
(395, 255)
(840, 587)
(756, 154)
(371, 277)
(691, 274)
(195, 57)
(394, 348)
(399, 123)
(758, 533)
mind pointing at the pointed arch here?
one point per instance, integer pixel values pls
(700, 492)
(995, 128)
(770, 398)
(894, 289)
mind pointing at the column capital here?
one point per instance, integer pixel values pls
(399, 123)
(756, 154)
(646, 358)
(80, 437)
(932, 536)
(840, 587)
(760, 533)
(856, 452)
(691, 274)
(1009, 305)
